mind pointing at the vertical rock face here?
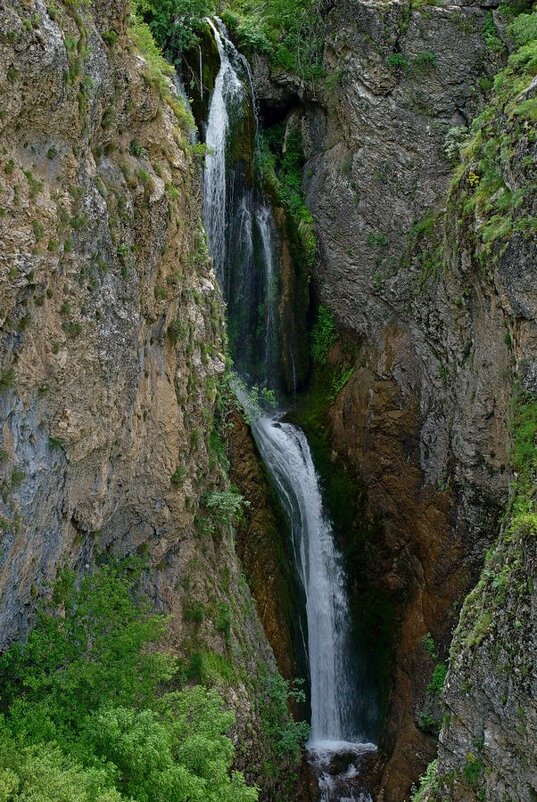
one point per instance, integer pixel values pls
(437, 316)
(111, 332)
(488, 742)
(111, 343)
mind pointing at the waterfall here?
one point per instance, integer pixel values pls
(227, 87)
(286, 452)
(242, 242)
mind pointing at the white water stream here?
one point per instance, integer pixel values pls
(285, 451)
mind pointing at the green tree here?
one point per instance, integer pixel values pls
(86, 650)
(174, 23)
(43, 773)
(179, 752)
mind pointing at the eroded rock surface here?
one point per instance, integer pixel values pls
(439, 321)
(111, 343)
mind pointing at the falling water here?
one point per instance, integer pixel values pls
(227, 87)
(241, 236)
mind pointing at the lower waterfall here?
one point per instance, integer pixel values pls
(242, 241)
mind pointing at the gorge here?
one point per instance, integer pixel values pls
(337, 199)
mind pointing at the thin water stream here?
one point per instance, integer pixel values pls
(243, 244)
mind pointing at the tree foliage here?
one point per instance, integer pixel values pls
(174, 23)
(85, 718)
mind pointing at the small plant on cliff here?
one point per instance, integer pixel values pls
(429, 645)
(396, 61)
(7, 379)
(229, 505)
(428, 783)
(323, 335)
(436, 684)
(424, 62)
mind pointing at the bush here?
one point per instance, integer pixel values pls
(286, 735)
(88, 680)
(175, 23)
(228, 504)
(397, 61)
(86, 650)
(437, 680)
(428, 783)
(44, 773)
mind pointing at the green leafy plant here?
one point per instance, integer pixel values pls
(397, 61)
(287, 735)
(229, 505)
(323, 335)
(436, 684)
(85, 717)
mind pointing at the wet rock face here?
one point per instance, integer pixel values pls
(263, 552)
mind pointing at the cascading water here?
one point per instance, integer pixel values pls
(242, 242)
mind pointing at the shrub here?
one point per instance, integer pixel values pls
(397, 61)
(428, 783)
(286, 735)
(437, 680)
(175, 23)
(87, 680)
(136, 149)
(228, 504)
(424, 62)
(429, 645)
(7, 379)
(43, 773)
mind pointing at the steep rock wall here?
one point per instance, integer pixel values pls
(108, 302)
(439, 325)
(112, 344)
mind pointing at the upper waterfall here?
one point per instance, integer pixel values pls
(227, 86)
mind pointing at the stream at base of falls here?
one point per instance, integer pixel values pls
(243, 243)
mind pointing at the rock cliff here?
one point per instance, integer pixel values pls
(431, 287)
(112, 342)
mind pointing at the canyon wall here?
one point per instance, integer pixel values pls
(112, 345)
(438, 310)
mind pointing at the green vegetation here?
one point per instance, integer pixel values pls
(85, 716)
(175, 23)
(281, 162)
(7, 379)
(425, 249)
(397, 61)
(291, 33)
(437, 680)
(472, 770)
(323, 335)
(428, 783)
(158, 69)
(523, 505)
(430, 646)
(423, 63)
(286, 734)
(227, 506)
(491, 146)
